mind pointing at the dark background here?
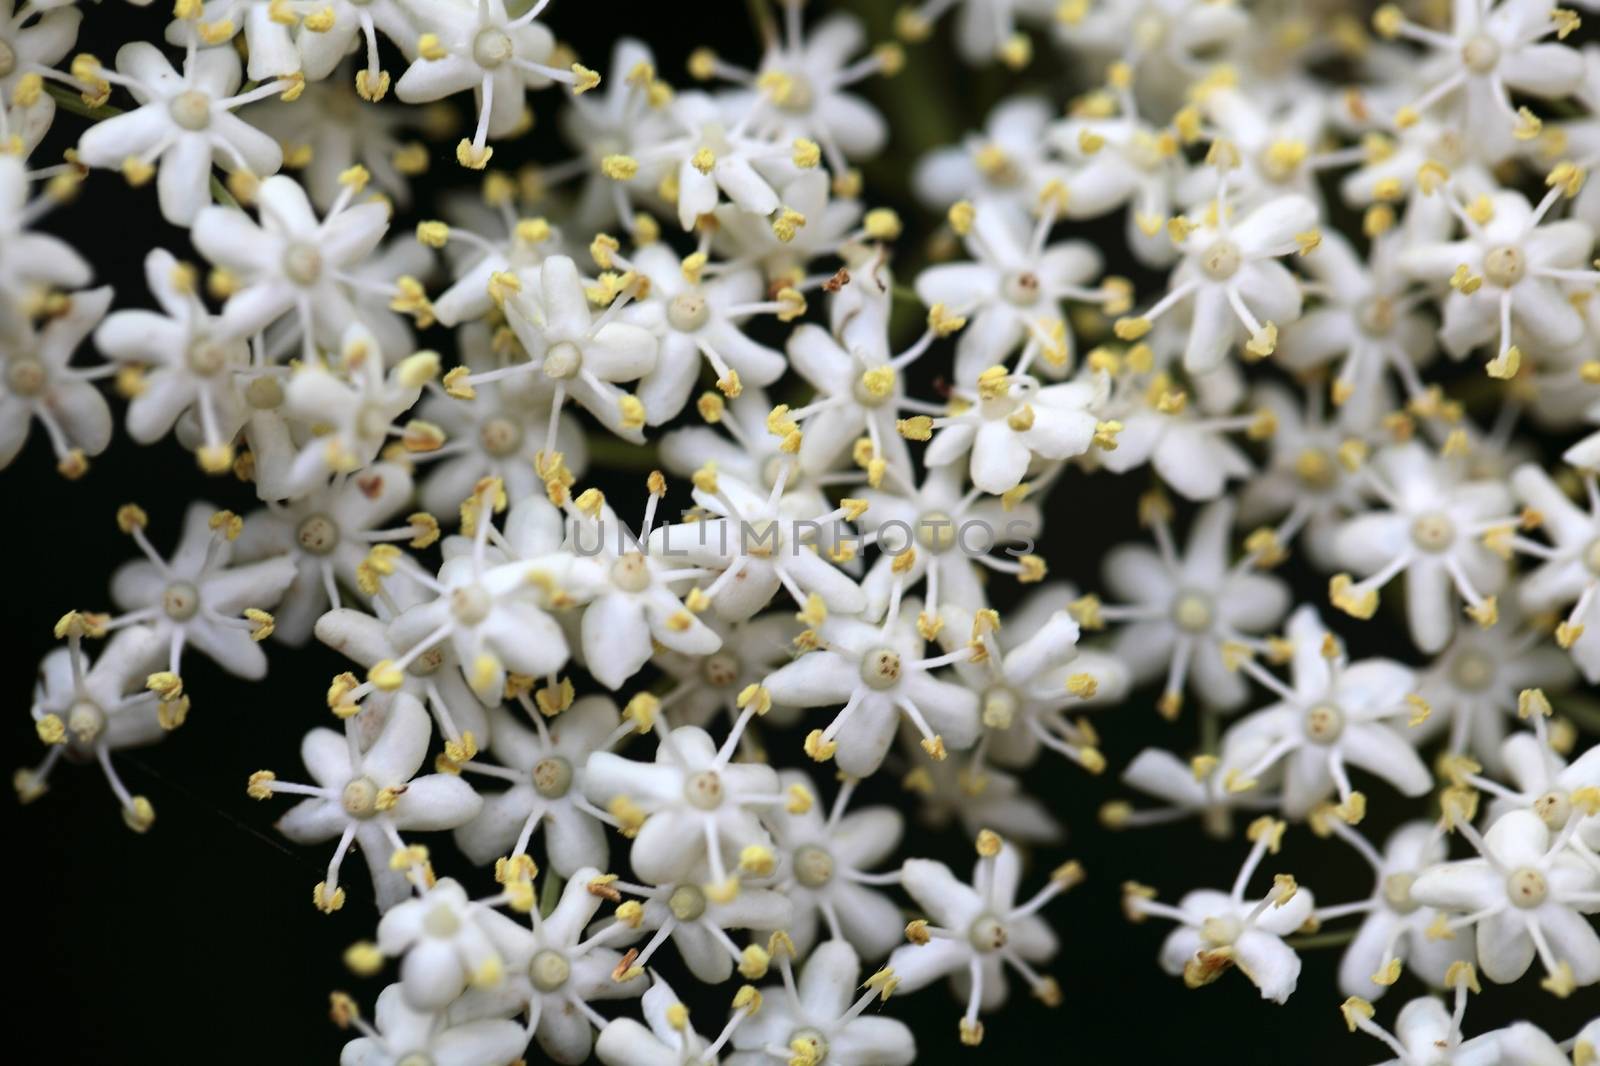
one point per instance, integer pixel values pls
(198, 941)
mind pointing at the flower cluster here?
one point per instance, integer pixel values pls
(651, 727)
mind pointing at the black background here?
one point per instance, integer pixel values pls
(198, 941)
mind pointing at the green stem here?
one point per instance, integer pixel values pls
(1210, 729)
(766, 26)
(72, 101)
(613, 453)
(549, 894)
(1321, 940)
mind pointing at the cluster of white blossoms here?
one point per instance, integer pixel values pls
(652, 730)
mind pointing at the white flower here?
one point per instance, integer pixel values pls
(268, 38)
(1169, 42)
(754, 549)
(1187, 790)
(443, 944)
(1546, 785)
(1508, 270)
(740, 447)
(1491, 50)
(1427, 1033)
(290, 260)
(480, 47)
(978, 930)
(1330, 717)
(33, 39)
(697, 923)
(1277, 138)
(39, 383)
(553, 971)
(1121, 158)
(29, 262)
(709, 685)
(583, 355)
(1569, 570)
(1154, 423)
(1013, 423)
(695, 317)
(1394, 925)
(183, 121)
(545, 768)
(1220, 930)
(1430, 527)
(340, 27)
(876, 674)
(401, 1033)
(820, 1017)
(741, 237)
(86, 711)
(1231, 277)
(823, 861)
(975, 797)
(669, 1040)
(1526, 895)
(616, 120)
(1365, 323)
(1008, 159)
(193, 368)
(985, 30)
(368, 798)
(1015, 291)
(328, 533)
(698, 806)
(198, 598)
(481, 241)
(1183, 609)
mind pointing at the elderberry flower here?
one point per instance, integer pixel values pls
(30, 263)
(1188, 612)
(1429, 529)
(1007, 160)
(1569, 569)
(184, 123)
(1546, 785)
(697, 924)
(957, 791)
(40, 384)
(553, 971)
(693, 805)
(1330, 716)
(1525, 895)
(875, 674)
(545, 768)
(33, 39)
(820, 1017)
(401, 1034)
(367, 798)
(1220, 930)
(981, 930)
(705, 686)
(823, 861)
(443, 946)
(669, 1040)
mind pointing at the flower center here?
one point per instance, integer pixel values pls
(720, 670)
(1397, 892)
(500, 437)
(26, 376)
(180, 601)
(1000, 706)
(1433, 532)
(1313, 468)
(318, 534)
(797, 95)
(987, 934)
(427, 662)
(936, 531)
(1472, 670)
(191, 109)
(549, 970)
(205, 357)
(302, 264)
(1591, 556)
(880, 669)
(1554, 808)
(470, 604)
(1221, 930)
(1526, 887)
(360, 798)
(687, 312)
(1377, 316)
(1324, 723)
(761, 537)
(372, 422)
(85, 721)
(491, 48)
(1021, 288)
(1504, 266)
(631, 573)
(1481, 54)
(813, 1047)
(264, 393)
(1221, 261)
(552, 777)
(562, 360)
(441, 922)
(703, 790)
(813, 867)
(687, 903)
(1192, 612)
